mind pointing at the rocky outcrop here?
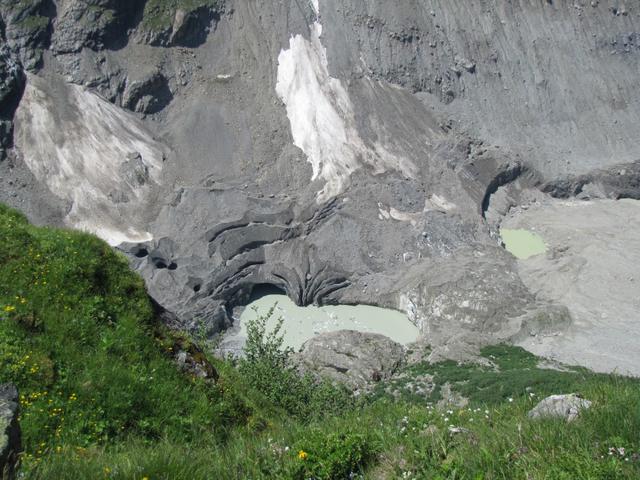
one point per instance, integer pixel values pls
(94, 24)
(9, 430)
(355, 359)
(11, 84)
(28, 29)
(620, 181)
(146, 93)
(469, 295)
(567, 407)
(179, 23)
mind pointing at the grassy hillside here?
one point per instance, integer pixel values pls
(102, 397)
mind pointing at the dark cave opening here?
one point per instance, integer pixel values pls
(260, 290)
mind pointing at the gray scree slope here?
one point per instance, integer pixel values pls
(342, 150)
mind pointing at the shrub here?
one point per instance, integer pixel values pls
(268, 368)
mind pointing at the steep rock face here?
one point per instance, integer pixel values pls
(28, 28)
(554, 81)
(94, 24)
(179, 22)
(341, 150)
(11, 85)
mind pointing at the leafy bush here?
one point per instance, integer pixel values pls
(267, 367)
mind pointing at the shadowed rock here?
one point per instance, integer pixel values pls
(9, 430)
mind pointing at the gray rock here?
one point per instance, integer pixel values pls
(94, 24)
(148, 93)
(10, 444)
(28, 29)
(567, 407)
(355, 359)
(11, 85)
(182, 24)
(451, 399)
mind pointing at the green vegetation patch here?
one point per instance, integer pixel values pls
(159, 14)
(34, 23)
(510, 373)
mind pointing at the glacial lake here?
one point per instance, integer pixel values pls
(522, 243)
(302, 323)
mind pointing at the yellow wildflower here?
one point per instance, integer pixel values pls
(302, 455)
(9, 308)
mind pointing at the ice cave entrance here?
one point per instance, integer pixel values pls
(523, 243)
(302, 323)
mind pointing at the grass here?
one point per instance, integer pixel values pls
(78, 338)
(511, 372)
(102, 398)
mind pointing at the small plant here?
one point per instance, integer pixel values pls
(335, 456)
(266, 347)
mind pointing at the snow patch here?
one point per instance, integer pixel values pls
(90, 153)
(323, 123)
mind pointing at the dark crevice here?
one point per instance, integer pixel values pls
(509, 174)
(338, 369)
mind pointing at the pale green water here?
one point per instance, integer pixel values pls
(302, 323)
(523, 243)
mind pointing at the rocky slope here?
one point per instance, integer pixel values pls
(341, 150)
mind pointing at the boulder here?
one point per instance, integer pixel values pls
(353, 358)
(9, 429)
(560, 406)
